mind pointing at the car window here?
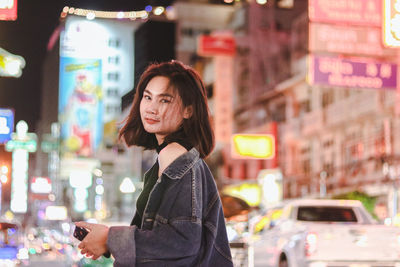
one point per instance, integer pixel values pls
(326, 214)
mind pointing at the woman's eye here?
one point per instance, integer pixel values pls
(165, 101)
(146, 97)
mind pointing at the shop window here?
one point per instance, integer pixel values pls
(113, 60)
(114, 42)
(113, 76)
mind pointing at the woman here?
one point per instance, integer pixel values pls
(179, 219)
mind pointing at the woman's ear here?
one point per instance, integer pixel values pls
(188, 112)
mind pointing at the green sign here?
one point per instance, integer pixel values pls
(29, 145)
(48, 146)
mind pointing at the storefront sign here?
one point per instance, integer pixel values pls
(8, 9)
(254, 146)
(391, 23)
(357, 40)
(6, 124)
(359, 73)
(212, 45)
(357, 12)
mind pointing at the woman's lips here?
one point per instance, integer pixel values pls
(150, 121)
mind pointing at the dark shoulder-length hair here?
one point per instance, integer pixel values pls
(196, 130)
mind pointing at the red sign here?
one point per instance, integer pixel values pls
(357, 12)
(212, 45)
(8, 9)
(223, 99)
(356, 40)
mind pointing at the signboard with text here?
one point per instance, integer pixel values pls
(6, 124)
(357, 40)
(356, 12)
(358, 73)
(391, 23)
(8, 9)
(253, 146)
(211, 45)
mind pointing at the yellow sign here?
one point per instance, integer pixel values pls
(256, 146)
(251, 193)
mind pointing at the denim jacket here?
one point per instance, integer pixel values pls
(183, 222)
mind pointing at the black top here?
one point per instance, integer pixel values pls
(150, 180)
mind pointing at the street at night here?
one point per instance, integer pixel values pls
(245, 133)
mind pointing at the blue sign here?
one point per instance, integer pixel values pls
(6, 124)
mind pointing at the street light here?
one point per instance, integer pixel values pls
(322, 184)
(392, 172)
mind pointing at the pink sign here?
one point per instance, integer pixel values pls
(358, 73)
(357, 12)
(358, 40)
(8, 10)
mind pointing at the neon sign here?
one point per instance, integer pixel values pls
(8, 9)
(391, 23)
(356, 12)
(360, 73)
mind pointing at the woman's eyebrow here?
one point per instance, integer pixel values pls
(160, 95)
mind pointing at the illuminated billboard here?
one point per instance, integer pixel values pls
(355, 40)
(10, 65)
(391, 23)
(6, 124)
(211, 45)
(356, 12)
(254, 146)
(359, 73)
(8, 9)
(80, 105)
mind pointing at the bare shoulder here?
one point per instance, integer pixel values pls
(170, 153)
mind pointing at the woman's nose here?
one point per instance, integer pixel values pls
(152, 108)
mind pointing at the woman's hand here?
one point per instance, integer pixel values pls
(95, 243)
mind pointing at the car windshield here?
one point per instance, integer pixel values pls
(326, 214)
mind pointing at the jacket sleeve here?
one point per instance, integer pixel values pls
(172, 240)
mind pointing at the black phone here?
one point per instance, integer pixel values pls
(80, 233)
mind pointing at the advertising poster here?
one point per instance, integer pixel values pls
(6, 124)
(80, 105)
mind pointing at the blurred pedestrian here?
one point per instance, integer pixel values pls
(179, 218)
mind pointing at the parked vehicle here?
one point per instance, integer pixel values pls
(322, 233)
(12, 246)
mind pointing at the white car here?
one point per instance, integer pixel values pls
(325, 233)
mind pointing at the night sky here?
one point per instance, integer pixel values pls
(28, 37)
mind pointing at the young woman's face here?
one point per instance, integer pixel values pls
(161, 109)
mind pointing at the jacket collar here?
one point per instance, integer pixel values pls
(182, 164)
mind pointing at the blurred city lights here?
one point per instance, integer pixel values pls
(99, 189)
(120, 15)
(91, 16)
(4, 169)
(97, 172)
(158, 10)
(127, 186)
(3, 178)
